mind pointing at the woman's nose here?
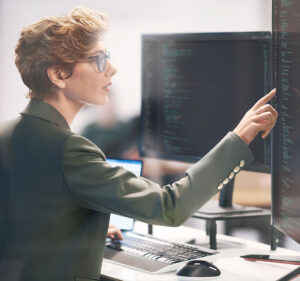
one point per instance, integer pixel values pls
(111, 70)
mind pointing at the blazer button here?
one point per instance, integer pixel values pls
(226, 181)
(236, 169)
(231, 175)
(242, 163)
(220, 186)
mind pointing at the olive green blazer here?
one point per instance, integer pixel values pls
(57, 193)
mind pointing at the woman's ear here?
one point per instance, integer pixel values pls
(56, 76)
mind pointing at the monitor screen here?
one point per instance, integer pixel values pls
(134, 166)
(286, 136)
(197, 87)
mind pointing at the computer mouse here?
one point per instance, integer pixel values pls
(198, 268)
(114, 244)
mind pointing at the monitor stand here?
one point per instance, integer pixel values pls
(225, 205)
(225, 210)
(226, 193)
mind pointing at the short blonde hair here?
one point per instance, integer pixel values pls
(57, 42)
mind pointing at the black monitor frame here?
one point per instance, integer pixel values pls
(277, 220)
(218, 36)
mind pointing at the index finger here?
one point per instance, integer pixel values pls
(265, 99)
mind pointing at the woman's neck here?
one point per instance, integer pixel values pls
(67, 107)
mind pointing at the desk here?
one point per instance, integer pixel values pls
(232, 267)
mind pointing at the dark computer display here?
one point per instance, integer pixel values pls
(197, 87)
(286, 137)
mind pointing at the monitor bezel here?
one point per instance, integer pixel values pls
(275, 135)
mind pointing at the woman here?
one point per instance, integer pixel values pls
(57, 191)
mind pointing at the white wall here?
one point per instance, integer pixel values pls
(128, 19)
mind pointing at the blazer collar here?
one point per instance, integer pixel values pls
(39, 109)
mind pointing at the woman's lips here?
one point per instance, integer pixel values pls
(107, 87)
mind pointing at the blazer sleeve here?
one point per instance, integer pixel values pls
(94, 184)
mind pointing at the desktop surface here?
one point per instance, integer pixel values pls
(232, 267)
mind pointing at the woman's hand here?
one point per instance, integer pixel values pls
(114, 232)
(261, 117)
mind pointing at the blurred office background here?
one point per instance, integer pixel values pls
(128, 20)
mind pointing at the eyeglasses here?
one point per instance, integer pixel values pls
(101, 60)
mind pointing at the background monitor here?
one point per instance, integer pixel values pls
(136, 167)
(197, 87)
(286, 136)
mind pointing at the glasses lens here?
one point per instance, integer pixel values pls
(101, 63)
(101, 60)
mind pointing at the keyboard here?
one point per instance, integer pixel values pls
(151, 254)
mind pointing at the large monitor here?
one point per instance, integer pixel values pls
(197, 87)
(286, 137)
